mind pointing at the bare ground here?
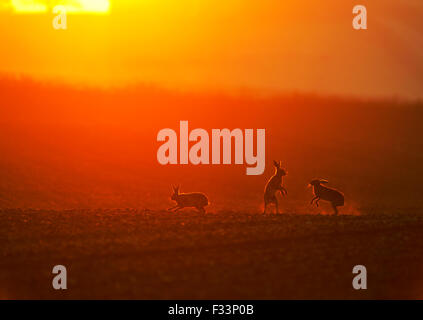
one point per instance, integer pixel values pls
(134, 254)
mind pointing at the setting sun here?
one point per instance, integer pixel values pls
(72, 6)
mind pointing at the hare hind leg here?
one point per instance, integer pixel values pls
(268, 201)
(335, 209)
(276, 205)
(201, 209)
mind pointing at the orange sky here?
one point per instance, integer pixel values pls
(269, 44)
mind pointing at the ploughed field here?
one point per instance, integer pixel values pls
(141, 254)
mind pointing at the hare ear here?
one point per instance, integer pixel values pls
(323, 181)
(280, 164)
(276, 164)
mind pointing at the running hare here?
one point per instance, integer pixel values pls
(335, 197)
(186, 200)
(274, 185)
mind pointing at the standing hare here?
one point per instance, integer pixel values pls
(185, 200)
(335, 197)
(274, 185)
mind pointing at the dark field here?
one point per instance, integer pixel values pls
(133, 254)
(63, 147)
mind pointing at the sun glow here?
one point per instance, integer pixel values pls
(22, 6)
(71, 6)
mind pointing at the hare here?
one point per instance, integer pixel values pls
(335, 197)
(273, 185)
(185, 200)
